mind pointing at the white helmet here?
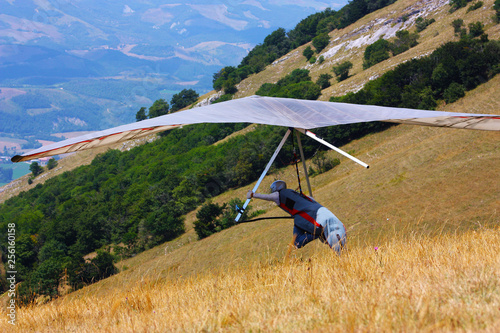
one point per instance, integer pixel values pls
(278, 185)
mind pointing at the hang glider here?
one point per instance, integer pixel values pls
(291, 113)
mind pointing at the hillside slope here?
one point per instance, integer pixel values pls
(426, 190)
(421, 180)
(434, 182)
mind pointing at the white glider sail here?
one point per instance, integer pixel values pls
(270, 111)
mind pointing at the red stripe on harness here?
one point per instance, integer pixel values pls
(302, 214)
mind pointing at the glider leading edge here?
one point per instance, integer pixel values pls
(291, 113)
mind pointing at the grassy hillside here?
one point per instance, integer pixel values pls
(429, 204)
(406, 285)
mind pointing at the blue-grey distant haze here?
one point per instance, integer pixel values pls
(89, 64)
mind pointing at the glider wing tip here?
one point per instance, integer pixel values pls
(17, 158)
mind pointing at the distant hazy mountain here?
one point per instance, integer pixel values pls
(107, 58)
(122, 35)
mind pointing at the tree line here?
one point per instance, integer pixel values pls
(161, 107)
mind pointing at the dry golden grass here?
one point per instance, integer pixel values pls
(449, 282)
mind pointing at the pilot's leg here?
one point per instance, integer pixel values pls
(302, 237)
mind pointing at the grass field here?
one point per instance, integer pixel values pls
(413, 283)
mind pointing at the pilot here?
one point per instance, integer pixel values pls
(311, 220)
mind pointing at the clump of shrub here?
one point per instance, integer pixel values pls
(213, 217)
(324, 81)
(297, 85)
(376, 52)
(342, 70)
(475, 6)
(421, 23)
(322, 163)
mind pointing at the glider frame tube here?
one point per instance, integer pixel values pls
(313, 136)
(304, 163)
(268, 166)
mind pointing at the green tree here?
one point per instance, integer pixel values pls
(297, 84)
(223, 98)
(476, 29)
(45, 279)
(35, 169)
(51, 164)
(303, 90)
(427, 101)
(141, 114)
(182, 99)
(440, 78)
(207, 223)
(496, 7)
(52, 249)
(218, 79)
(323, 163)
(213, 217)
(324, 81)
(321, 41)
(376, 52)
(100, 267)
(475, 6)
(342, 70)
(404, 41)
(296, 76)
(228, 216)
(159, 108)
(229, 87)
(308, 53)
(26, 253)
(454, 92)
(457, 25)
(457, 4)
(421, 23)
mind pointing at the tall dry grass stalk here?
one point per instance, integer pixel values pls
(449, 282)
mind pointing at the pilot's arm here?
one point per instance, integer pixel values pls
(275, 196)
